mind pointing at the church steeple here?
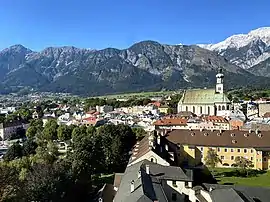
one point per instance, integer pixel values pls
(219, 84)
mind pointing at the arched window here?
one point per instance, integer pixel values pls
(193, 109)
(223, 107)
(228, 107)
(219, 108)
(201, 110)
(186, 108)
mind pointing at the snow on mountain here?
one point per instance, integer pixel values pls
(244, 50)
(240, 40)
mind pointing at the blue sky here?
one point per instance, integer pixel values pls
(98, 24)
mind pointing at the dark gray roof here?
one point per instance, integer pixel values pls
(250, 193)
(12, 123)
(107, 193)
(227, 194)
(148, 187)
(168, 172)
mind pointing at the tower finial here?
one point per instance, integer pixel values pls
(220, 70)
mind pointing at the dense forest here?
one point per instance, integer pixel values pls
(36, 171)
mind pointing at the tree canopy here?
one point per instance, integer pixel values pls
(36, 171)
(212, 158)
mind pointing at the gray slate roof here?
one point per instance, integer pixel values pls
(147, 187)
(225, 195)
(248, 193)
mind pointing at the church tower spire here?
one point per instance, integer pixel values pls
(219, 84)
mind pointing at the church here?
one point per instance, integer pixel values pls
(205, 101)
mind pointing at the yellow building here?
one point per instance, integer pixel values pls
(191, 146)
(164, 109)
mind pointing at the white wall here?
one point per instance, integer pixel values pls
(150, 155)
(2, 133)
(183, 107)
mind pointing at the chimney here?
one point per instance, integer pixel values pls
(166, 147)
(132, 186)
(211, 189)
(158, 140)
(139, 174)
(147, 168)
(171, 156)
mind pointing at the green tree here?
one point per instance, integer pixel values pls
(31, 132)
(91, 130)
(29, 147)
(24, 113)
(139, 132)
(50, 130)
(48, 182)
(46, 153)
(13, 152)
(117, 141)
(64, 132)
(10, 184)
(170, 111)
(212, 158)
(243, 163)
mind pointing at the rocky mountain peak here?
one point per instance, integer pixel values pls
(244, 50)
(18, 48)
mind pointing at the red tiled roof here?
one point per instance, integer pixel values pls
(266, 115)
(215, 119)
(157, 104)
(171, 121)
(91, 112)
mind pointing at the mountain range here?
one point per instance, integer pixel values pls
(145, 66)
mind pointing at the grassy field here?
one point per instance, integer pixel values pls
(229, 176)
(138, 95)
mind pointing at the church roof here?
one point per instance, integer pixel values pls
(203, 96)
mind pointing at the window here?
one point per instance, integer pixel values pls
(222, 157)
(174, 197)
(264, 158)
(219, 108)
(186, 184)
(251, 151)
(225, 150)
(238, 150)
(186, 108)
(251, 158)
(218, 149)
(193, 109)
(245, 150)
(208, 110)
(231, 150)
(174, 183)
(152, 160)
(200, 110)
(223, 107)
(232, 157)
(201, 148)
(228, 107)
